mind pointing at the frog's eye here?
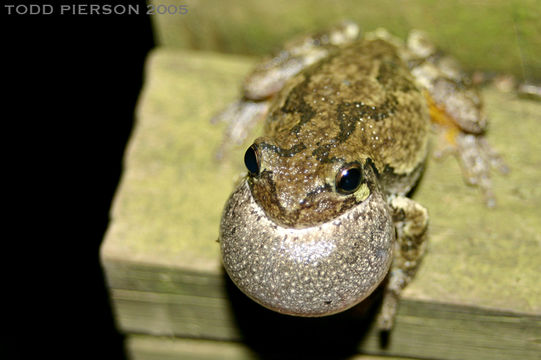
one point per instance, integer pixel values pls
(348, 178)
(251, 160)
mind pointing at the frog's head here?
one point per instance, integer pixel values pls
(303, 236)
(297, 186)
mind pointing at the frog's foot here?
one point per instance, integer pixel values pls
(240, 117)
(477, 159)
(411, 223)
(387, 314)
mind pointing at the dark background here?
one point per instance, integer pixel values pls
(70, 85)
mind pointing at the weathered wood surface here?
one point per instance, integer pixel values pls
(497, 35)
(478, 293)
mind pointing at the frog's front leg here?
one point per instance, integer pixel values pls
(411, 223)
(270, 75)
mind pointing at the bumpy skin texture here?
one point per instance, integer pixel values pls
(359, 103)
(291, 238)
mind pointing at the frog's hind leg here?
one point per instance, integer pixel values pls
(411, 223)
(475, 155)
(269, 77)
(457, 112)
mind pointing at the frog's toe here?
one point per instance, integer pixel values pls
(496, 161)
(419, 44)
(385, 323)
(387, 314)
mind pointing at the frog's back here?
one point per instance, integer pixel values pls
(361, 102)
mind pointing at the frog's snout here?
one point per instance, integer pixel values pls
(312, 271)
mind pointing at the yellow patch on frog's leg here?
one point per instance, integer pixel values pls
(411, 223)
(445, 126)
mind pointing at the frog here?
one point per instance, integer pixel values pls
(322, 216)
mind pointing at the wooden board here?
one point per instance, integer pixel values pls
(477, 295)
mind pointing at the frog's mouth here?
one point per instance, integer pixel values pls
(313, 271)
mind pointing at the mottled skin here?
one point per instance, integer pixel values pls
(291, 238)
(337, 112)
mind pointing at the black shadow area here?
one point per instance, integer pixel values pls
(276, 336)
(70, 84)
